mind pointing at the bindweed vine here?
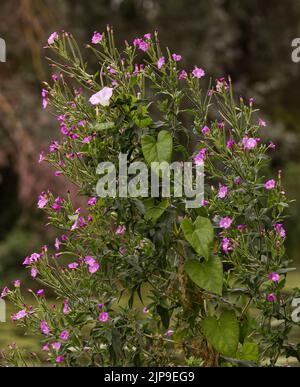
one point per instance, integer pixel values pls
(147, 281)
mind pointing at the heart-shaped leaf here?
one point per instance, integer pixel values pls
(200, 235)
(222, 334)
(207, 275)
(157, 150)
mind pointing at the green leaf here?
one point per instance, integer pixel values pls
(164, 316)
(249, 351)
(141, 118)
(157, 150)
(207, 275)
(222, 334)
(104, 125)
(154, 212)
(200, 235)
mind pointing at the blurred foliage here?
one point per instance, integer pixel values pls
(250, 40)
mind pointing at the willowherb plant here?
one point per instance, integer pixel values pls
(210, 281)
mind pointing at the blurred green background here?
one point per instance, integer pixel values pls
(249, 40)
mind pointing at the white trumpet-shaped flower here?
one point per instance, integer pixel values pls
(102, 97)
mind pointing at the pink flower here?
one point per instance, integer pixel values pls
(204, 203)
(81, 221)
(18, 316)
(55, 77)
(279, 229)
(226, 245)
(89, 260)
(40, 293)
(145, 310)
(169, 333)
(57, 204)
(103, 317)
(200, 157)
(141, 44)
(92, 201)
(56, 346)
(94, 268)
(225, 222)
(45, 98)
(61, 118)
(223, 191)
(53, 147)
(57, 244)
(52, 38)
(97, 37)
(17, 283)
(275, 277)
(221, 84)
(241, 227)
(82, 123)
(230, 143)
(64, 238)
(205, 130)
(45, 328)
(87, 139)
(34, 257)
(237, 180)
(26, 261)
(182, 75)
(198, 72)
(74, 225)
(270, 184)
(73, 265)
(5, 292)
(45, 347)
(176, 57)
(93, 265)
(34, 272)
(42, 202)
(249, 143)
(272, 145)
(147, 36)
(64, 130)
(144, 46)
(66, 308)
(60, 359)
(262, 123)
(121, 229)
(161, 61)
(41, 157)
(136, 42)
(65, 335)
(271, 297)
